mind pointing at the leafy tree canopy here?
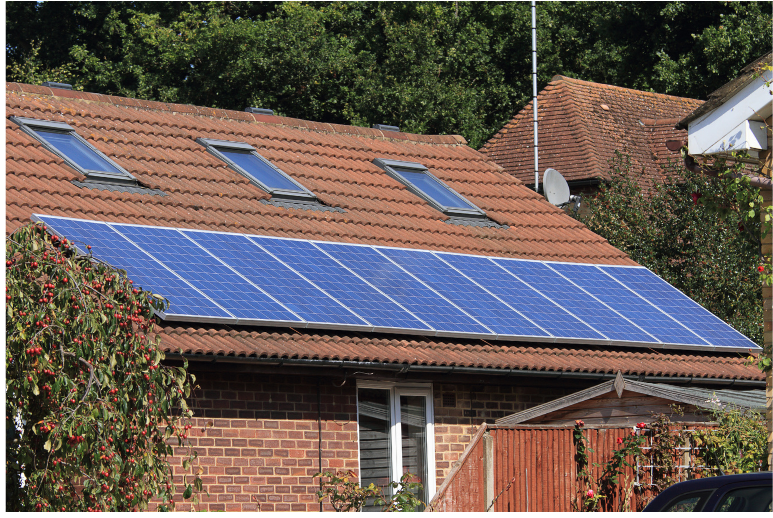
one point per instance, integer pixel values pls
(445, 67)
(91, 413)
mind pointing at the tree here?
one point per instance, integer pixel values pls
(678, 232)
(91, 412)
(428, 67)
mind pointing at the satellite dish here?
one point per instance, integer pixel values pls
(557, 190)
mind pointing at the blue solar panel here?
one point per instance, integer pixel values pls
(255, 279)
(473, 299)
(680, 307)
(279, 281)
(574, 300)
(146, 272)
(340, 283)
(404, 289)
(540, 310)
(206, 273)
(627, 303)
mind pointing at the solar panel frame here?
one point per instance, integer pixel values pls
(563, 266)
(748, 344)
(400, 256)
(429, 330)
(239, 321)
(166, 315)
(571, 301)
(367, 326)
(568, 280)
(439, 332)
(536, 295)
(693, 310)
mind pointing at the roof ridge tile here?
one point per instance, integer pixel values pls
(220, 113)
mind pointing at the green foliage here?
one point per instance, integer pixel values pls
(404, 499)
(677, 231)
(345, 494)
(738, 445)
(428, 67)
(664, 454)
(596, 493)
(91, 413)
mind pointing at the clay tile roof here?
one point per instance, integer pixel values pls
(582, 124)
(156, 143)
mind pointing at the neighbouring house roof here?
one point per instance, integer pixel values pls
(582, 124)
(155, 142)
(707, 399)
(719, 96)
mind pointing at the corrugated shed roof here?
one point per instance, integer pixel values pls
(751, 399)
(156, 143)
(582, 124)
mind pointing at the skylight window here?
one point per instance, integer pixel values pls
(424, 184)
(62, 140)
(246, 161)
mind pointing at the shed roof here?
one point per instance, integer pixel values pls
(700, 397)
(156, 143)
(582, 124)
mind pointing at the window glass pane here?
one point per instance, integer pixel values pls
(262, 172)
(746, 500)
(691, 502)
(413, 425)
(434, 189)
(77, 151)
(375, 452)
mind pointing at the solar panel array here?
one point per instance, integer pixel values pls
(245, 279)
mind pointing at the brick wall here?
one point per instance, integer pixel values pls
(256, 434)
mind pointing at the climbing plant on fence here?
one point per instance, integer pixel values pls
(92, 414)
(660, 453)
(600, 483)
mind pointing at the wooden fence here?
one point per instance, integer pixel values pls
(525, 468)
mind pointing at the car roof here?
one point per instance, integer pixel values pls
(689, 486)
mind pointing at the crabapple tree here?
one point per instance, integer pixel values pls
(92, 414)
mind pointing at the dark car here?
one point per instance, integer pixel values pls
(749, 492)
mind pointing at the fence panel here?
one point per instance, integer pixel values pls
(535, 469)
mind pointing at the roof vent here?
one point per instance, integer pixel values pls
(259, 111)
(384, 127)
(63, 86)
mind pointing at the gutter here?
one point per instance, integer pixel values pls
(441, 369)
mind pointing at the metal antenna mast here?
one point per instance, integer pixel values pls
(534, 89)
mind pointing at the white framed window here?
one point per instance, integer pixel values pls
(395, 423)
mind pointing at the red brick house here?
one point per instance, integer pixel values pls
(279, 403)
(582, 124)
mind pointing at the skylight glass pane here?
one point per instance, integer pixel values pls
(261, 171)
(435, 190)
(78, 152)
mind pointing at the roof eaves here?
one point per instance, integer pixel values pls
(723, 93)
